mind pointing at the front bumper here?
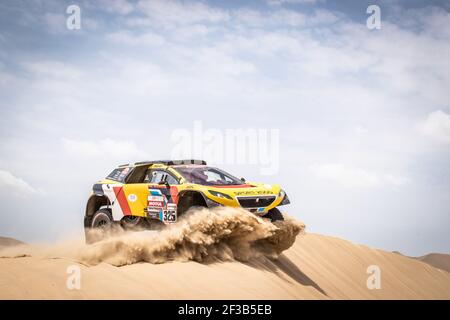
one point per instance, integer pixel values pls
(259, 205)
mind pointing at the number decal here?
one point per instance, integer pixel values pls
(170, 214)
(158, 207)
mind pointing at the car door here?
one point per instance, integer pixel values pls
(163, 195)
(136, 196)
(164, 181)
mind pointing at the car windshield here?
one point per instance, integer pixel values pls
(207, 176)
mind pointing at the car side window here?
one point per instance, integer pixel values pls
(157, 176)
(170, 179)
(119, 174)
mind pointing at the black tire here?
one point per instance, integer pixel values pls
(134, 223)
(274, 215)
(98, 225)
(102, 219)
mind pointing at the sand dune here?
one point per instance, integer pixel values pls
(8, 242)
(315, 267)
(437, 260)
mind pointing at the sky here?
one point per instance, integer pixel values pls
(355, 122)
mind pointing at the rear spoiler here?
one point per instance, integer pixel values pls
(172, 162)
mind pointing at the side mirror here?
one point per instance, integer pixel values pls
(243, 179)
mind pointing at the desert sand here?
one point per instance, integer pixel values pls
(193, 266)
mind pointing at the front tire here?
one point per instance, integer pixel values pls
(274, 215)
(98, 226)
(102, 219)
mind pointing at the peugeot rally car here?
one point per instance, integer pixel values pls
(159, 191)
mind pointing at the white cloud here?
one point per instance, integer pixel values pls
(127, 38)
(437, 126)
(17, 185)
(355, 177)
(170, 12)
(55, 22)
(361, 130)
(117, 6)
(279, 17)
(217, 61)
(53, 69)
(190, 32)
(103, 148)
(281, 2)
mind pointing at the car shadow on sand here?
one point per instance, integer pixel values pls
(284, 265)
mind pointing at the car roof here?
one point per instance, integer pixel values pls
(188, 166)
(174, 163)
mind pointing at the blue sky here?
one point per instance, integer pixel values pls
(363, 115)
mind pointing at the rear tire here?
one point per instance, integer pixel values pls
(134, 223)
(98, 226)
(274, 215)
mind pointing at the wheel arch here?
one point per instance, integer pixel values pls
(95, 202)
(189, 198)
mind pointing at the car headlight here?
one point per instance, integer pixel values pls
(220, 195)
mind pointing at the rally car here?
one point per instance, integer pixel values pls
(151, 192)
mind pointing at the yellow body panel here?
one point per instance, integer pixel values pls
(136, 194)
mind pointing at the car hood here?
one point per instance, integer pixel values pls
(248, 189)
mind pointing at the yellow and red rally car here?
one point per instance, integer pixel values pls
(138, 194)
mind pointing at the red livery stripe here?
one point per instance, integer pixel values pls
(174, 194)
(120, 196)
